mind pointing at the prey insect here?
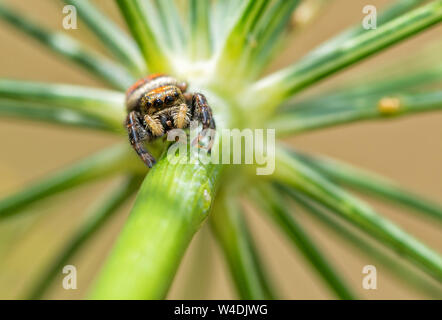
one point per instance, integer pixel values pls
(159, 103)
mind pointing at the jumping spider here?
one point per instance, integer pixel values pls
(159, 103)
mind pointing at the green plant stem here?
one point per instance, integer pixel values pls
(173, 201)
(118, 43)
(200, 42)
(277, 87)
(200, 273)
(296, 174)
(398, 268)
(136, 13)
(236, 241)
(273, 205)
(69, 48)
(110, 162)
(100, 214)
(96, 108)
(357, 109)
(366, 181)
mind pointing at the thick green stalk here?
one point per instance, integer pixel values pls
(236, 241)
(277, 87)
(97, 108)
(137, 16)
(357, 109)
(100, 214)
(366, 181)
(200, 45)
(403, 272)
(202, 266)
(110, 162)
(173, 201)
(273, 205)
(296, 174)
(118, 43)
(68, 47)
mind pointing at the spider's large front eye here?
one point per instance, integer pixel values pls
(148, 104)
(168, 100)
(158, 103)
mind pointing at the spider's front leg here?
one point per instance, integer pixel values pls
(202, 112)
(137, 134)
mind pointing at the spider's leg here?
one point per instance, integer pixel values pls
(202, 112)
(154, 125)
(137, 134)
(181, 116)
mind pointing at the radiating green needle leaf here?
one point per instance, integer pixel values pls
(110, 162)
(118, 43)
(273, 205)
(70, 48)
(277, 87)
(307, 180)
(371, 183)
(233, 235)
(100, 214)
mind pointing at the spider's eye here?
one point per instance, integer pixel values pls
(176, 94)
(148, 104)
(158, 103)
(169, 100)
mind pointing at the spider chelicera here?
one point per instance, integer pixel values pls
(159, 103)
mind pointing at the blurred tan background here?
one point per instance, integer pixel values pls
(408, 150)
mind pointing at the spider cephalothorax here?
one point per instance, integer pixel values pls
(159, 103)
